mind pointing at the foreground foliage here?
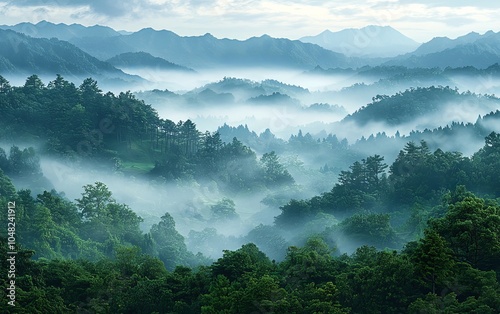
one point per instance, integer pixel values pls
(431, 275)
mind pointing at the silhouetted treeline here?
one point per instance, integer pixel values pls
(418, 177)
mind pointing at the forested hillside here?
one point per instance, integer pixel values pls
(336, 219)
(454, 265)
(413, 104)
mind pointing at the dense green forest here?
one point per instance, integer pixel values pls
(453, 268)
(123, 132)
(422, 230)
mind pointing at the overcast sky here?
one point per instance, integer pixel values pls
(241, 19)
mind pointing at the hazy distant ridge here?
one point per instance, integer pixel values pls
(369, 41)
(144, 60)
(61, 31)
(473, 49)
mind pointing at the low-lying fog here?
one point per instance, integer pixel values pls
(178, 81)
(282, 117)
(188, 202)
(314, 103)
(344, 91)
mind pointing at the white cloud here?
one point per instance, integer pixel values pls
(241, 19)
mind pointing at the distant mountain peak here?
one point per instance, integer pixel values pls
(325, 32)
(149, 30)
(209, 36)
(377, 27)
(369, 41)
(469, 37)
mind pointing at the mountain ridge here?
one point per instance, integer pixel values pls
(438, 44)
(472, 49)
(208, 52)
(192, 51)
(61, 31)
(25, 55)
(144, 60)
(370, 41)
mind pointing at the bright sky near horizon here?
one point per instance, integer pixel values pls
(241, 19)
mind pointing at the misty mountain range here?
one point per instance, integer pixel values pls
(98, 50)
(209, 52)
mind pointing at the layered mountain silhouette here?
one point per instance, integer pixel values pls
(438, 44)
(24, 55)
(194, 51)
(144, 60)
(369, 41)
(207, 51)
(61, 31)
(82, 50)
(473, 49)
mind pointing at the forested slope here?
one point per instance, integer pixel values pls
(421, 232)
